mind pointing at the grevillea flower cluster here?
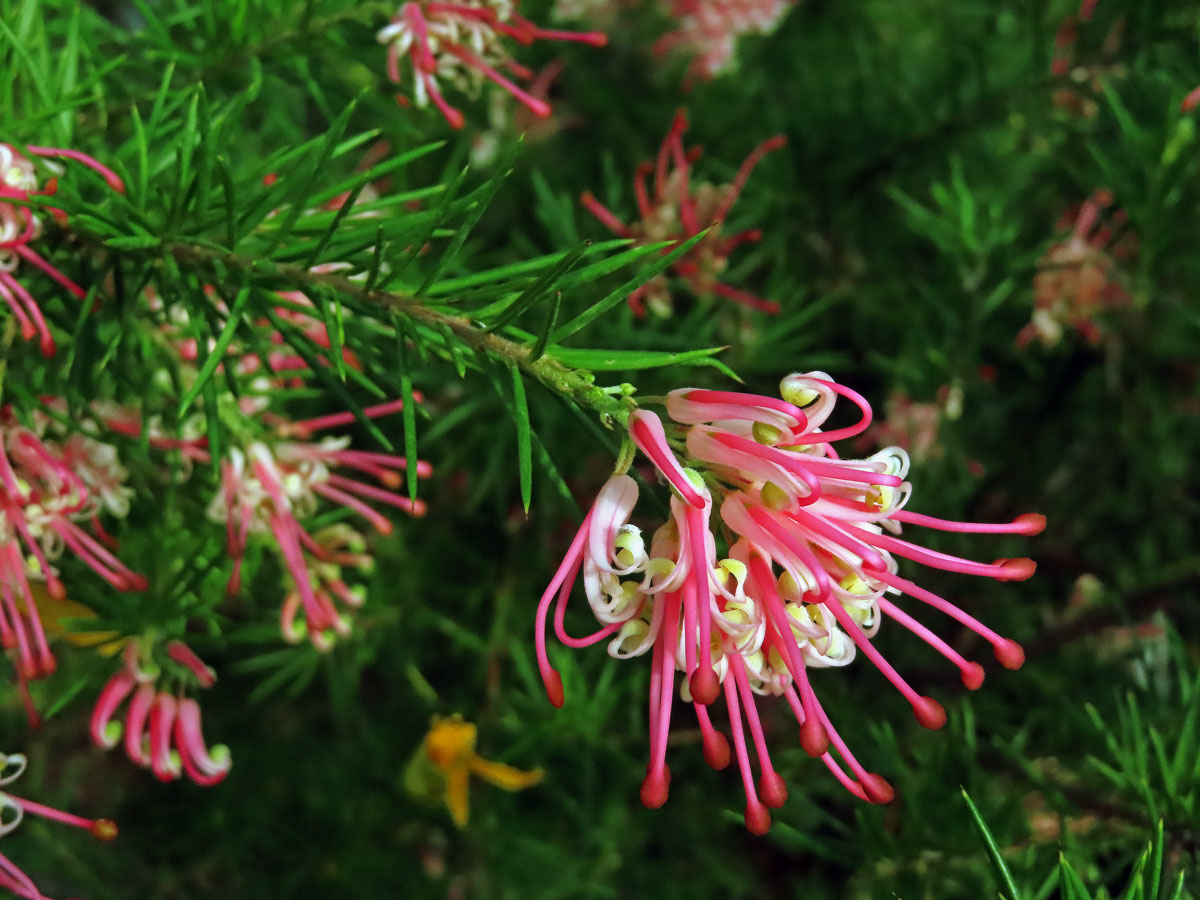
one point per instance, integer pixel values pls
(708, 30)
(46, 489)
(1079, 277)
(676, 210)
(465, 43)
(161, 730)
(808, 578)
(269, 487)
(12, 812)
(1084, 74)
(19, 227)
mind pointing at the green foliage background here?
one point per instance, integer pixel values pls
(927, 166)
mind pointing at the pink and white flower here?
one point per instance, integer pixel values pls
(45, 490)
(810, 575)
(465, 43)
(161, 730)
(19, 227)
(708, 30)
(268, 488)
(676, 210)
(1079, 278)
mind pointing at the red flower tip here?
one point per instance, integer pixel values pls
(1010, 654)
(1015, 569)
(103, 829)
(776, 143)
(877, 789)
(654, 788)
(758, 820)
(704, 685)
(1031, 523)
(773, 790)
(554, 688)
(929, 713)
(813, 738)
(972, 676)
(716, 750)
(1191, 101)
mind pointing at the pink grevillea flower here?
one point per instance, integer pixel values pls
(161, 731)
(1084, 74)
(19, 227)
(465, 43)
(268, 489)
(708, 30)
(809, 575)
(12, 812)
(1079, 278)
(44, 492)
(677, 210)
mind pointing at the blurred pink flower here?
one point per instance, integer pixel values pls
(46, 488)
(807, 581)
(676, 211)
(708, 30)
(19, 226)
(1079, 278)
(465, 43)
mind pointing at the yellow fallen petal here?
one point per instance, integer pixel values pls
(450, 742)
(55, 615)
(505, 776)
(457, 788)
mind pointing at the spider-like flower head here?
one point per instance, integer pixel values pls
(809, 575)
(269, 488)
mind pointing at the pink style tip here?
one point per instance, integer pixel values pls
(772, 789)
(704, 686)
(972, 676)
(877, 788)
(554, 689)
(1020, 569)
(1010, 654)
(814, 739)
(655, 788)
(929, 713)
(758, 819)
(716, 750)
(1030, 523)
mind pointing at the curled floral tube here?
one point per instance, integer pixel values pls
(161, 730)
